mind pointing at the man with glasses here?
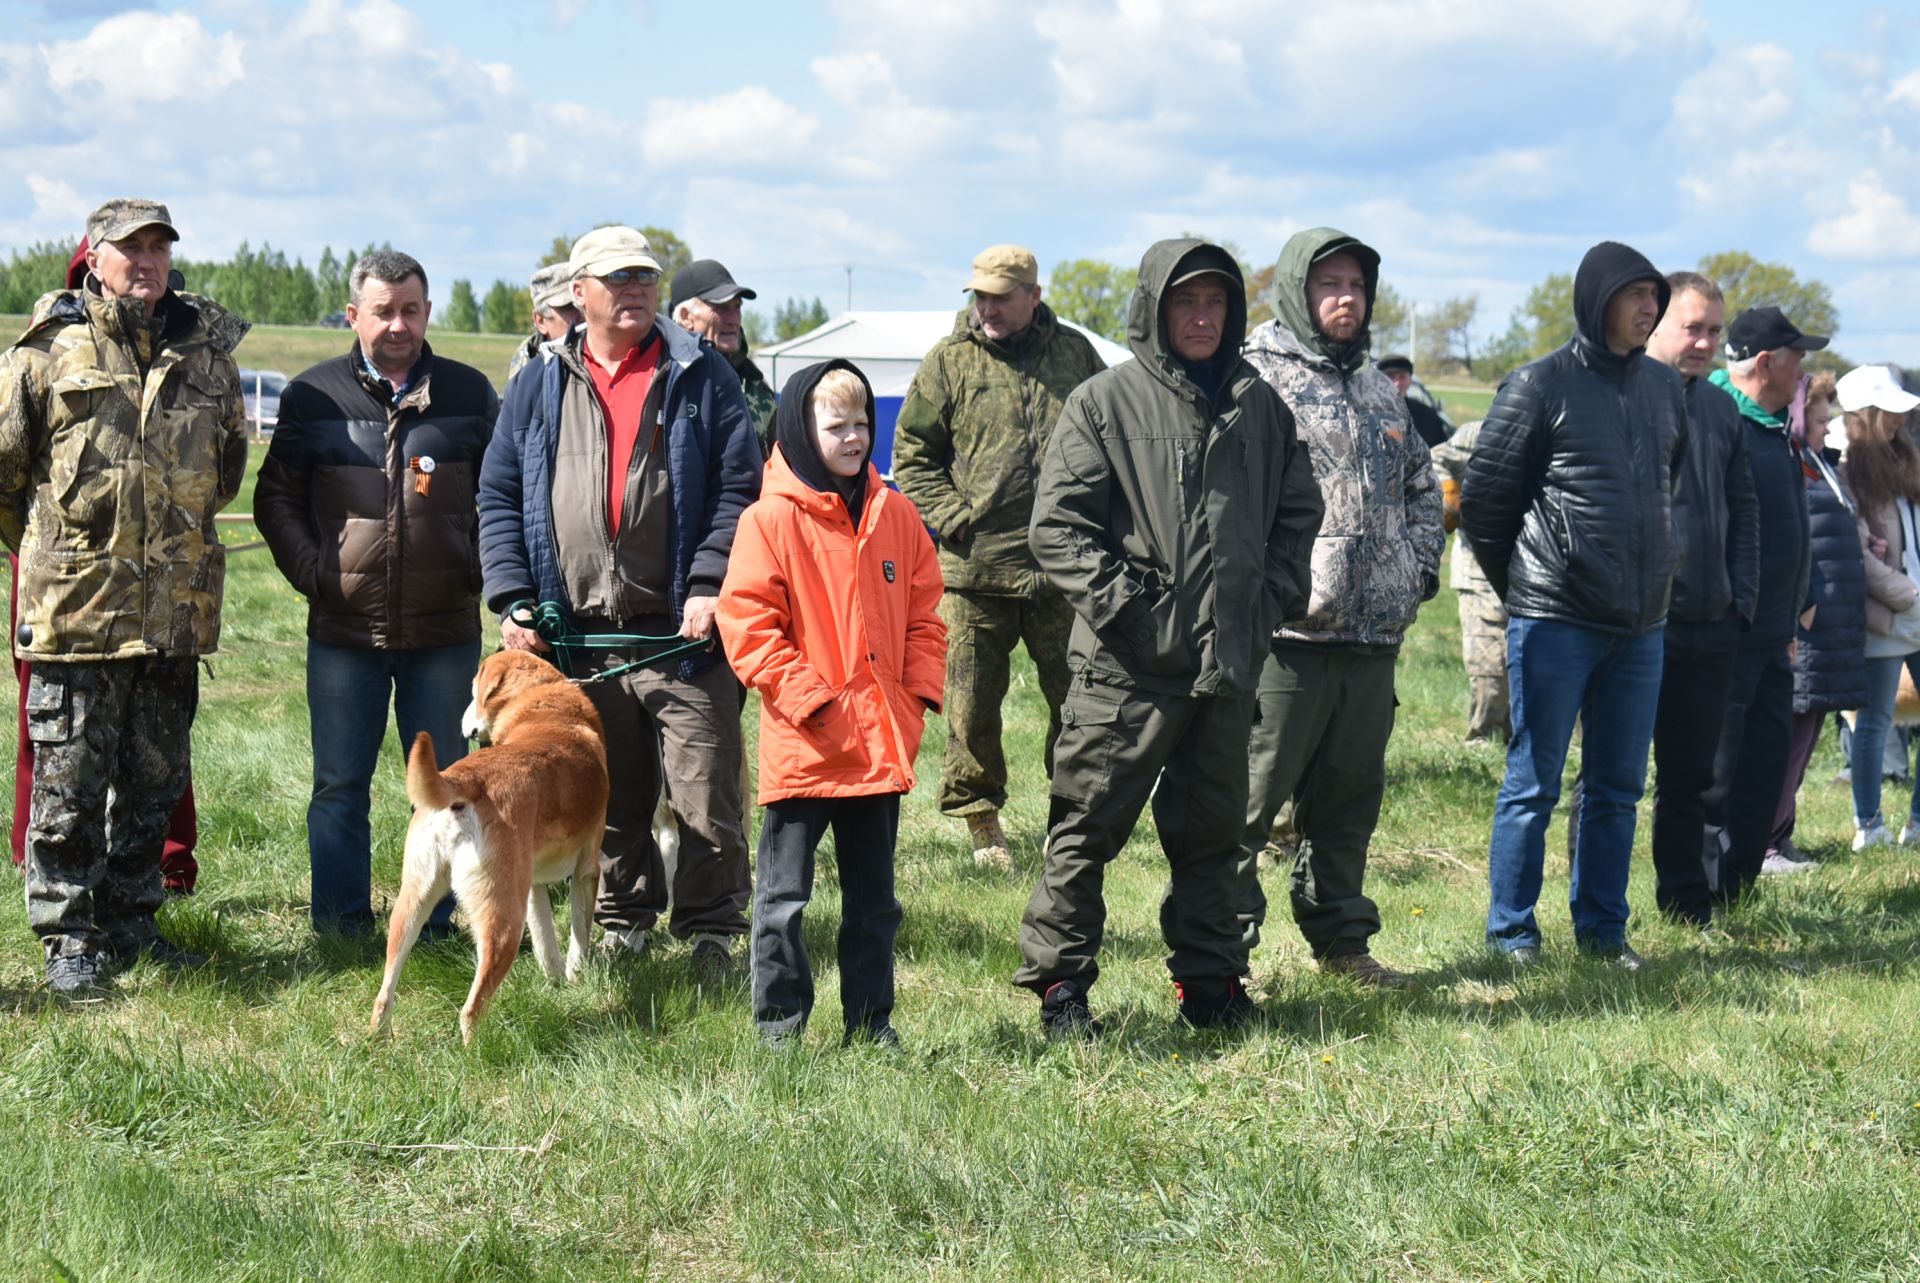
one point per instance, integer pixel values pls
(615, 478)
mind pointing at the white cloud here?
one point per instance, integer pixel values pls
(749, 126)
(1762, 79)
(141, 58)
(1878, 224)
(1906, 90)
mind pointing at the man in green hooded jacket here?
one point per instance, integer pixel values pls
(1326, 692)
(1176, 511)
(968, 442)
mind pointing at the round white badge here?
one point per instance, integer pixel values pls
(426, 463)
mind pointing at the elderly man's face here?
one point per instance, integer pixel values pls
(1337, 296)
(1780, 377)
(391, 320)
(1196, 313)
(619, 307)
(718, 323)
(1689, 334)
(134, 266)
(1002, 316)
(556, 322)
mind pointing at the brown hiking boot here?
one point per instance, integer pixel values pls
(989, 842)
(1364, 968)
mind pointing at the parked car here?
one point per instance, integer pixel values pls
(334, 321)
(261, 390)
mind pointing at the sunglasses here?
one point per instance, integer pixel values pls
(629, 276)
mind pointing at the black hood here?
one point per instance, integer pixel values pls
(1608, 268)
(793, 434)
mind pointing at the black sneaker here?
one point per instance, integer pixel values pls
(885, 1037)
(1620, 955)
(1064, 1013)
(712, 959)
(75, 973)
(159, 949)
(1217, 1004)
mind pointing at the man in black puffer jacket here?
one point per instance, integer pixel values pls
(1567, 503)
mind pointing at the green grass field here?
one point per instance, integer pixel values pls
(1742, 1109)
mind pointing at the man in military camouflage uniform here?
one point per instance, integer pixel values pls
(121, 434)
(705, 299)
(1326, 692)
(553, 314)
(968, 442)
(1483, 616)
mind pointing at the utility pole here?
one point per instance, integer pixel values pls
(1413, 334)
(849, 287)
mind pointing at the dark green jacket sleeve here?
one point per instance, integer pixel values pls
(923, 450)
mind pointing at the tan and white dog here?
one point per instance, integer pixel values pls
(503, 822)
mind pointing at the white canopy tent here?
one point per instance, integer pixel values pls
(887, 346)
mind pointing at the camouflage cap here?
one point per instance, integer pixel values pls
(998, 268)
(551, 287)
(119, 219)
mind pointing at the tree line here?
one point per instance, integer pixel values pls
(264, 287)
(1096, 294)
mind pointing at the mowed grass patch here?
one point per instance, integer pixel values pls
(1747, 1107)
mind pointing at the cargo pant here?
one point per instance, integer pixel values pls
(982, 631)
(1114, 744)
(1483, 645)
(112, 747)
(1326, 714)
(684, 732)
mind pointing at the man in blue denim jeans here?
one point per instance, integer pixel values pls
(1567, 503)
(366, 499)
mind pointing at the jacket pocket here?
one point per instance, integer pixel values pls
(1154, 636)
(831, 739)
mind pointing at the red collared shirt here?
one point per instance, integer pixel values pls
(623, 398)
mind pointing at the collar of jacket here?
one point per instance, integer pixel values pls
(1275, 338)
(413, 395)
(743, 364)
(677, 346)
(1749, 408)
(1605, 361)
(1038, 333)
(783, 482)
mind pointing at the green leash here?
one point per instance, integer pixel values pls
(550, 623)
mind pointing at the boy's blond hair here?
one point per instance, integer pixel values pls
(839, 390)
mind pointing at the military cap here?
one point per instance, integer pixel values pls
(998, 268)
(119, 219)
(551, 287)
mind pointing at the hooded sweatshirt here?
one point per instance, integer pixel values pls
(1178, 525)
(836, 624)
(1377, 556)
(793, 433)
(1568, 492)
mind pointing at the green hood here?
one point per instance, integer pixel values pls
(1145, 334)
(1290, 292)
(1749, 407)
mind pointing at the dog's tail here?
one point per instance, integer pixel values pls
(427, 789)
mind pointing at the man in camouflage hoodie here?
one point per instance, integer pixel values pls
(967, 445)
(1326, 692)
(121, 434)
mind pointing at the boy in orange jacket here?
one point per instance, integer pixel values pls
(828, 610)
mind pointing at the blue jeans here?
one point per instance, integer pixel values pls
(1870, 726)
(347, 693)
(1559, 671)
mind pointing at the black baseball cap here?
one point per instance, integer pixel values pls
(707, 281)
(1763, 329)
(1389, 364)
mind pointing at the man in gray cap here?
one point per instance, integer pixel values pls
(967, 449)
(553, 314)
(706, 300)
(616, 475)
(127, 389)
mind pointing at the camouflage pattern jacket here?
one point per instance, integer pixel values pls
(1377, 556)
(970, 438)
(760, 398)
(119, 440)
(1450, 461)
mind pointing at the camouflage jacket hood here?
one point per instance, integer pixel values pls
(1301, 252)
(970, 437)
(119, 440)
(1377, 556)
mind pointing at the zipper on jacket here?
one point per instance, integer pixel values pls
(889, 726)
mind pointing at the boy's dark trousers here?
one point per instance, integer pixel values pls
(864, 832)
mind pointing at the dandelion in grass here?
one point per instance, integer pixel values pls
(1419, 912)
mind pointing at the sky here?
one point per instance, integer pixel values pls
(1479, 145)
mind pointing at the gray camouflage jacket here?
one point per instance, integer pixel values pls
(1377, 556)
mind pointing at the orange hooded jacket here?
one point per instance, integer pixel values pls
(837, 630)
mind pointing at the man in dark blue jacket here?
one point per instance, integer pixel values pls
(616, 476)
(1764, 355)
(1567, 502)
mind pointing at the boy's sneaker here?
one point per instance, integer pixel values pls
(75, 973)
(1065, 1015)
(1781, 862)
(1872, 834)
(1366, 969)
(1216, 1004)
(990, 850)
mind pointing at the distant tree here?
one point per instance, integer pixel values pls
(330, 279)
(1542, 322)
(667, 247)
(1388, 324)
(507, 310)
(754, 330)
(1092, 293)
(29, 274)
(796, 317)
(1751, 282)
(1446, 337)
(463, 311)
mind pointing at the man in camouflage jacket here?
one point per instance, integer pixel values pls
(1326, 692)
(554, 315)
(121, 434)
(967, 445)
(1483, 616)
